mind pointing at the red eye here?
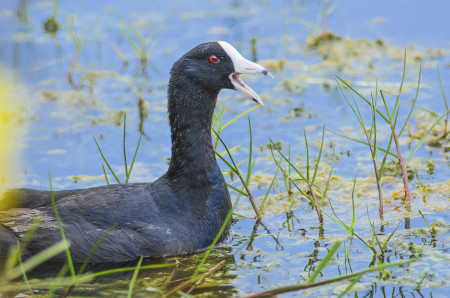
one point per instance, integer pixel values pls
(213, 59)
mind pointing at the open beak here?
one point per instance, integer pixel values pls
(242, 65)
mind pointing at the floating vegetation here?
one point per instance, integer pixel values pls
(51, 26)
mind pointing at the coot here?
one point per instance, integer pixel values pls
(179, 213)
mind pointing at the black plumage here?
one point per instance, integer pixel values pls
(179, 213)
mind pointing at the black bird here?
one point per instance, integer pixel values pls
(179, 213)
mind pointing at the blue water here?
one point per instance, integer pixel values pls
(66, 119)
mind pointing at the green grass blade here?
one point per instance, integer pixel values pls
(289, 155)
(424, 137)
(350, 286)
(231, 150)
(62, 272)
(289, 184)
(401, 86)
(261, 207)
(373, 128)
(442, 88)
(227, 163)
(218, 125)
(341, 222)
(413, 103)
(434, 114)
(307, 156)
(306, 285)
(94, 249)
(61, 231)
(385, 105)
(228, 152)
(16, 251)
(390, 236)
(445, 101)
(286, 174)
(249, 170)
(324, 261)
(424, 219)
(216, 239)
(386, 155)
(237, 190)
(37, 259)
(359, 116)
(126, 269)
(154, 38)
(329, 175)
(349, 103)
(417, 288)
(133, 279)
(316, 166)
(240, 115)
(104, 173)
(124, 147)
(138, 35)
(357, 93)
(141, 40)
(42, 284)
(353, 205)
(374, 233)
(55, 9)
(134, 157)
(362, 142)
(273, 145)
(135, 47)
(346, 228)
(25, 279)
(104, 159)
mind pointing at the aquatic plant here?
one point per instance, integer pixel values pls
(219, 126)
(310, 181)
(445, 132)
(390, 118)
(51, 26)
(142, 46)
(127, 171)
(80, 41)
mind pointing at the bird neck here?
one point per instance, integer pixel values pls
(191, 110)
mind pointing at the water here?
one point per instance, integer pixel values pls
(61, 119)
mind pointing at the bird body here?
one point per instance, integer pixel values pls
(179, 213)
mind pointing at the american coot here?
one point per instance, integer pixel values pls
(179, 213)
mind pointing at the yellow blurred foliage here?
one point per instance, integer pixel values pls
(12, 131)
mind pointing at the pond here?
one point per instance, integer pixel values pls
(72, 78)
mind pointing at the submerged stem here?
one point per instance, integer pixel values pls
(250, 196)
(377, 176)
(403, 168)
(318, 210)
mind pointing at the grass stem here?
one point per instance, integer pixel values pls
(308, 285)
(403, 169)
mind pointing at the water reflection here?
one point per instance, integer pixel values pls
(152, 282)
